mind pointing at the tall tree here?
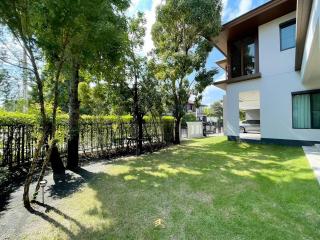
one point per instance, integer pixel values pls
(181, 35)
(19, 16)
(217, 110)
(5, 86)
(141, 83)
(96, 40)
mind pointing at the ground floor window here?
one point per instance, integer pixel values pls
(306, 110)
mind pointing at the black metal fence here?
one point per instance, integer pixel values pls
(97, 139)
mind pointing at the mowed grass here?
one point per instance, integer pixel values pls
(204, 189)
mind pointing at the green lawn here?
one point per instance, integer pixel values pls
(204, 189)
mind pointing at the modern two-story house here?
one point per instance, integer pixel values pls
(272, 64)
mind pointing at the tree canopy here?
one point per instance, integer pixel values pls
(181, 36)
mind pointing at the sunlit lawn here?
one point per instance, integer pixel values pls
(205, 189)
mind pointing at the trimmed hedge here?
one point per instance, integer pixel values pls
(23, 118)
(16, 118)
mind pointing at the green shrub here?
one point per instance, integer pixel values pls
(16, 118)
(189, 117)
(168, 128)
(62, 118)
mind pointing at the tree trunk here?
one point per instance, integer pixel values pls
(54, 158)
(137, 116)
(26, 200)
(140, 133)
(52, 154)
(177, 131)
(74, 115)
(44, 127)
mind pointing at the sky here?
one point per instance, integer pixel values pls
(231, 10)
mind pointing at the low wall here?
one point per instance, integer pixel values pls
(195, 129)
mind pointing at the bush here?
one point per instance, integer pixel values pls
(189, 117)
(23, 118)
(168, 128)
(16, 118)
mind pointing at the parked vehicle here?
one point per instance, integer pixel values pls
(250, 126)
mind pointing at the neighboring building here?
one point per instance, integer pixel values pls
(273, 71)
(191, 108)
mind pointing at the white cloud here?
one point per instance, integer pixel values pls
(225, 9)
(212, 94)
(244, 6)
(150, 16)
(133, 7)
(228, 13)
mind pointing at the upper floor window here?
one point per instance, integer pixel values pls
(288, 35)
(243, 59)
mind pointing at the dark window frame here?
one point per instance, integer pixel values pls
(309, 92)
(284, 25)
(243, 41)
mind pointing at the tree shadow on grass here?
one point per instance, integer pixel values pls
(64, 185)
(226, 184)
(54, 222)
(68, 183)
(206, 190)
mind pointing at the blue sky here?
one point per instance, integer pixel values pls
(231, 10)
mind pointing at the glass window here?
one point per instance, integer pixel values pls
(288, 35)
(306, 110)
(236, 60)
(243, 57)
(315, 108)
(301, 111)
(248, 58)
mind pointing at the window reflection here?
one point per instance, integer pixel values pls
(236, 59)
(288, 35)
(243, 57)
(249, 59)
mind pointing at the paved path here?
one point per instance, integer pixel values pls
(313, 155)
(15, 216)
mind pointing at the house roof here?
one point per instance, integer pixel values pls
(248, 23)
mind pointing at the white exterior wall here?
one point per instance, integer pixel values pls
(224, 105)
(278, 81)
(195, 129)
(231, 124)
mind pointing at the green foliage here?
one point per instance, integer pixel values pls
(142, 88)
(217, 109)
(168, 118)
(16, 118)
(23, 118)
(189, 117)
(242, 115)
(208, 111)
(5, 86)
(168, 129)
(181, 36)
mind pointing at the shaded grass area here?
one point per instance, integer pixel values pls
(204, 189)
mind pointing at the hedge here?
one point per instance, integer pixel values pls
(23, 118)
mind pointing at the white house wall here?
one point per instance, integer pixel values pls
(231, 125)
(278, 81)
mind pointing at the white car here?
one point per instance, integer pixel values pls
(250, 126)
